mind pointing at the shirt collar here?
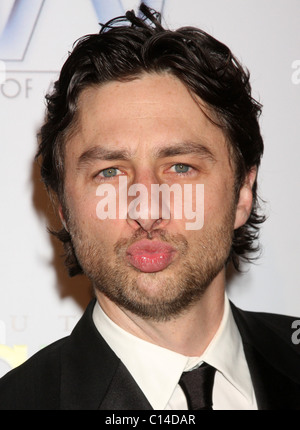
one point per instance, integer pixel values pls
(151, 366)
(154, 367)
(226, 353)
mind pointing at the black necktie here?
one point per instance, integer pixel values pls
(197, 386)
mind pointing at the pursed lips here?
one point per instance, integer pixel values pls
(150, 256)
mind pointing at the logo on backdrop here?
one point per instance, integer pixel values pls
(18, 26)
(13, 356)
(19, 18)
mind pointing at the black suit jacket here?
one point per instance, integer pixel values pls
(82, 372)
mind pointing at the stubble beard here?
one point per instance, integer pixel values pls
(162, 295)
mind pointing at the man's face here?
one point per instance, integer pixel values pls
(149, 131)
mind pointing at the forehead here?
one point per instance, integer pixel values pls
(152, 110)
(143, 94)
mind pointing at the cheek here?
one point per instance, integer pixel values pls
(88, 213)
(81, 207)
(218, 201)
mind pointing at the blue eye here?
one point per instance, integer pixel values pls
(109, 173)
(181, 168)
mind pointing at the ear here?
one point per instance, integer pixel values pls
(62, 217)
(244, 205)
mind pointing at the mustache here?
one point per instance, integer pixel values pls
(178, 241)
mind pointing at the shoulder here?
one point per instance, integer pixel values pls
(60, 371)
(34, 382)
(283, 325)
(269, 331)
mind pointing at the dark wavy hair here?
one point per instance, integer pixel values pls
(131, 45)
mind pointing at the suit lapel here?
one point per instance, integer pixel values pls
(87, 366)
(92, 376)
(273, 390)
(274, 367)
(123, 393)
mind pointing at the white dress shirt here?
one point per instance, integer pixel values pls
(157, 370)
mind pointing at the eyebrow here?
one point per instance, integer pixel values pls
(101, 153)
(183, 148)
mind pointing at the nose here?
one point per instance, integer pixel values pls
(147, 225)
(144, 210)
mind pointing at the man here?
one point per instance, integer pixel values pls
(139, 106)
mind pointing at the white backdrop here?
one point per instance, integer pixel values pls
(38, 302)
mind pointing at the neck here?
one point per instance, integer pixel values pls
(188, 334)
